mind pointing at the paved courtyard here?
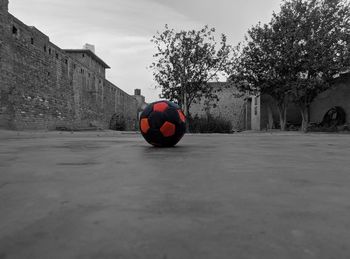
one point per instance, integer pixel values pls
(111, 195)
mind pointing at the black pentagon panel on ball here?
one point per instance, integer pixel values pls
(162, 124)
(154, 137)
(180, 130)
(172, 115)
(156, 120)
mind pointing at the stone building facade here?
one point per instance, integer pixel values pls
(231, 106)
(338, 95)
(45, 87)
(247, 112)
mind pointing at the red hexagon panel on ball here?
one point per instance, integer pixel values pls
(162, 124)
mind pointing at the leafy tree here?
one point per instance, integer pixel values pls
(186, 61)
(259, 68)
(316, 36)
(298, 54)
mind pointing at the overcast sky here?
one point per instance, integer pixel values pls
(121, 29)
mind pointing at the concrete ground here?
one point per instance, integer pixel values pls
(111, 195)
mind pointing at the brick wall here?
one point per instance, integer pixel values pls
(43, 87)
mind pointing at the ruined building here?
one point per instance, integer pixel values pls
(45, 87)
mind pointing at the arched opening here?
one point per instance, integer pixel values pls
(335, 116)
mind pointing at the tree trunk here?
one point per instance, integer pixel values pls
(305, 118)
(270, 118)
(282, 110)
(188, 119)
(185, 104)
(186, 112)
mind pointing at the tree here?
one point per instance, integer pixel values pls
(316, 35)
(259, 68)
(298, 54)
(186, 61)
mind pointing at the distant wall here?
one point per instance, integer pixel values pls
(4, 5)
(88, 62)
(253, 112)
(42, 87)
(268, 104)
(339, 95)
(231, 106)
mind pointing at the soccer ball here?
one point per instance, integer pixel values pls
(162, 124)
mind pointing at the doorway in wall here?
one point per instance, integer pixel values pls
(248, 114)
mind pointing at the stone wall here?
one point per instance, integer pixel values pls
(231, 106)
(43, 87)
(89, 60)
(252, 112)
(339, 95)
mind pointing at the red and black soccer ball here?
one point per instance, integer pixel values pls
(162, 124)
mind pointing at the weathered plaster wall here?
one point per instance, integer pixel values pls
(231, 106)
(339, 95)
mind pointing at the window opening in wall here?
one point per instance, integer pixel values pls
(83, 55)
(48, 73)
(31, 40)
(45, 48)
(14, 30)
(66, 61)
(56, 55)
(49, 51)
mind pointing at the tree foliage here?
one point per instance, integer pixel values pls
(259, 68)
(317, 36)
(298, 54)
(186, 61)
